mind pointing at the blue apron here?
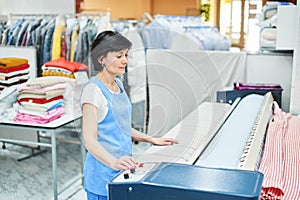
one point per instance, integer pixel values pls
(114, 134)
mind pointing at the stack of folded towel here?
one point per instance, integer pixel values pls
(41, 100)
(13, 71)
(62, 67)
(75, 75)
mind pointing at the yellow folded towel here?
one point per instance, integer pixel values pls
(12, 62)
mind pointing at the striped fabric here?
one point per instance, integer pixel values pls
(281, 159)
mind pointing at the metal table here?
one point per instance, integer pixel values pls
(51, 128)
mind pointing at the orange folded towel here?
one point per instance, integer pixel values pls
(65, 64)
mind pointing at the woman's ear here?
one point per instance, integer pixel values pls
(101, 61)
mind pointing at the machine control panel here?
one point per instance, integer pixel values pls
(165, 181)
(135, 174)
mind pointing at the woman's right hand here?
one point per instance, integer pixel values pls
(125, 162)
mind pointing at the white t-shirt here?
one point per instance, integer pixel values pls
(93, 95)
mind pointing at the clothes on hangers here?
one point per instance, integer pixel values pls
(62, 36)
(165, 30)
(74, 36)
(58, 36)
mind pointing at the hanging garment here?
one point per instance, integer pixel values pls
(22, 33)
(75, 32)
(47, 49)
(281, 158)
(31, 34)
(13, 32)
(60, 26)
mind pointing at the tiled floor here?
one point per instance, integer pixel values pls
(31, 179)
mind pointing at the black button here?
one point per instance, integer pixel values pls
(126, 176)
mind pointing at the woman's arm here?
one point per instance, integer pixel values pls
(90, 131)
(141, 137)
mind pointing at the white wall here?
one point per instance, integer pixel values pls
(37, 6)
(263, 68)
(295, 93)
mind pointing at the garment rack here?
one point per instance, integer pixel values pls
(26, 15)
(200, 27)
(3, 18)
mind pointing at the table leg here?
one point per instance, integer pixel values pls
(83, 154)
(54, 165)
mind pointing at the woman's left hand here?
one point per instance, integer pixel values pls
(164, 141)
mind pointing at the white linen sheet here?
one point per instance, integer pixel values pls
(179, 81)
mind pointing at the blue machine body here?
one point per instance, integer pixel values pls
(171, 181)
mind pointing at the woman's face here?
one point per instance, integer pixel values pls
(115, 62)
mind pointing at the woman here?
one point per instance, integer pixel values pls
(106, 110)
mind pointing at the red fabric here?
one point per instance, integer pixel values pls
(64, 45)
(40, 100)
(281, 158)
(24, 40)
(14, 69)
(65, 64)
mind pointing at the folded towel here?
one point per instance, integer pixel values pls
(41, 82)
(15, 68)
(65, 64)
(12, 62)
